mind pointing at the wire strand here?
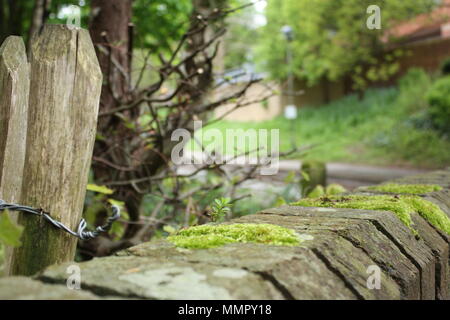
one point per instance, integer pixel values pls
(81, 232)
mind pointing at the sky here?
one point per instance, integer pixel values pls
(260, 18)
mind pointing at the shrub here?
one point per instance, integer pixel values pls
(412, 78)
(438, 98)
(411, 91)
(445, 67)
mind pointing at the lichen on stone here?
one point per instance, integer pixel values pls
(405, 188)
(401, 206)
(210, 236)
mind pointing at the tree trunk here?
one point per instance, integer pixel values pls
(2, 21)
(326, 90)
(40, 15)
(11, 16)
(201, 8)
(110, 30)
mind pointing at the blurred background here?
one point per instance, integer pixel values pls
(359, 96)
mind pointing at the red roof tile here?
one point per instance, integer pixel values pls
(422, 26)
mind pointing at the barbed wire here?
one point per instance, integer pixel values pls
(81, 232)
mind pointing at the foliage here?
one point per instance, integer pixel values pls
(335, 189)
(220, 208)
(99, 189)
(405, 188)
(59, 15)
(331, 38)
(138, 121)
(2, 258)
(388, 127)
(439, 99)
(401, 206)
(169, 229)
(280, 202)
(211, 236)
(239, 42)
(10, 233)
(445, 67)
(318, 191)
(159, 23)
(97, 200)
(331, 190)
(15, 18)
(314, 174)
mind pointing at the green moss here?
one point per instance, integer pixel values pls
(334, 189)
(318, 191)
(210, 236)
(331, 190)
(401, 206)
(2, 258)
(406, 188)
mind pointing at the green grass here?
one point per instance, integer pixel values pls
(386, 127)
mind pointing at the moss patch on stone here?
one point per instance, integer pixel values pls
(405, 188)
(211, 236)
(401, 206)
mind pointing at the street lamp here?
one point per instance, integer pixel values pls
(288, 33)
(290, 111)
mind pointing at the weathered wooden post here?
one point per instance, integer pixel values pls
(14, 87)
(64, 99)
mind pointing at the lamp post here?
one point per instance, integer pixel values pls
(290, 111)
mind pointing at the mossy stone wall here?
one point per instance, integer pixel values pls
(332, 261)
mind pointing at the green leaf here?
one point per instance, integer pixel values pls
(117, 229)
(290, 177)
(99, 189)
(118, 203)
(334, 189)
(317, 192)
(169, 229)
(9, 231)
(99, 137)
(280, 202)
(305, 176)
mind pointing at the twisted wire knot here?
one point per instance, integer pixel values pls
(81, 232)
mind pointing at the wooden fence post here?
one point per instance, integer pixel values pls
(14, 87)
(64, 99)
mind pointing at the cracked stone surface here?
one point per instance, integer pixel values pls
(299, 273)
(22, 288)
(159, 278)
(385, 233)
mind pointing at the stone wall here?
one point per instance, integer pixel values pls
(331, 264)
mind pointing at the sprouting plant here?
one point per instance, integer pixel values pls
(220, 208)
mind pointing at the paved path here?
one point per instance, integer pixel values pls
(348, 175)
(354, 175)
